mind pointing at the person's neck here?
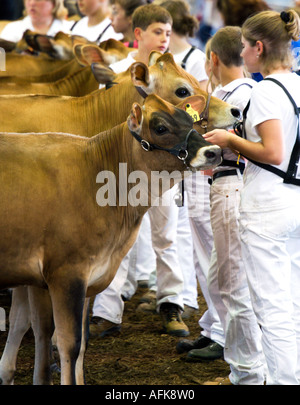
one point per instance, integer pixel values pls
(228, 75)
(275, 71)
(178, 44)
(128, 36)
(42, 27)
(97, 17)
(142, 56)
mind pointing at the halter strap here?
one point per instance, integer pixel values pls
(179, 150)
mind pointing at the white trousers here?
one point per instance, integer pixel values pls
(198, 190)
(185, 249)
(229, 288)
(271, 251)
(163, 219)
(142, 259)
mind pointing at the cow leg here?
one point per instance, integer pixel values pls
(19, 323)
(84, 341)
(43, 327)
(67, 296)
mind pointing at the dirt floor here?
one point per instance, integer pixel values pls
(140, 355)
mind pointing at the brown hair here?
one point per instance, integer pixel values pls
(148, 14)
(227, 45)
(129, 5)
(275, 31)
(235, 12)
(183, 22)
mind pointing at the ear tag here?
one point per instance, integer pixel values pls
(193, 113)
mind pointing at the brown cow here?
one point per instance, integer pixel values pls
(222, 115)
(103, 109)
(19, 64)
(77, 84)
(69, 67)
(45, 62)
(55, 235)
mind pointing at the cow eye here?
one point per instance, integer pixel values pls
(182, 92)
(160, 130)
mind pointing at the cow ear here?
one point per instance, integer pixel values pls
(78, 55)
(135, 118)
(196, 103)
(94, 54)
(45, 43)
(139, 74)
(103, 74)
(154, 55)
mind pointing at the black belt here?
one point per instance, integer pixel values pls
(223, 174)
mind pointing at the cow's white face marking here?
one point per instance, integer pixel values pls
(207, 157)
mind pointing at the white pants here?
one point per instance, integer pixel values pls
(163, 219)
(169, 278)
(228, 285)
(142, 259)
(271, 251)
(198, 189)
(185, 248)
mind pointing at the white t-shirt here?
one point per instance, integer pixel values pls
(14, 31)
(93, 33)
(238, 94)
(194, 64)
(124, 64)
(263, 190)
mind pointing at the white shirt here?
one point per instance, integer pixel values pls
(14, 31)
(238, 94)
(124, 64)
(92, 33)
(195, 63)
(264, 190)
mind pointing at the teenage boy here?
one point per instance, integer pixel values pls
(152, 27)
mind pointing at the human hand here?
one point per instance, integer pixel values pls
(219, 137)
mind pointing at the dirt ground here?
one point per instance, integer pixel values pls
(140, 355)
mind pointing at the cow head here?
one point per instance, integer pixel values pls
(172, 83)
(162, 128)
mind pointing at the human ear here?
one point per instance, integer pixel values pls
(259, 47)
(214, 58)
(137, 33)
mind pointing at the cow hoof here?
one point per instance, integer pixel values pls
(54, 368)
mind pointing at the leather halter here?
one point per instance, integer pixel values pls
(179, 150)
(204, 114)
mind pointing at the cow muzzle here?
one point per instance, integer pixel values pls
(207, 157)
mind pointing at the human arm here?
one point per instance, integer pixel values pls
(269, 150)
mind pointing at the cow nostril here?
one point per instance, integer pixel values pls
(209, 154)
(236, 113)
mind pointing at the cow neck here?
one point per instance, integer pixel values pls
(114, 104)
(106, 151)
(74, 84)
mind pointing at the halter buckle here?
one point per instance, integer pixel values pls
(182, 157)
(145, 145)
